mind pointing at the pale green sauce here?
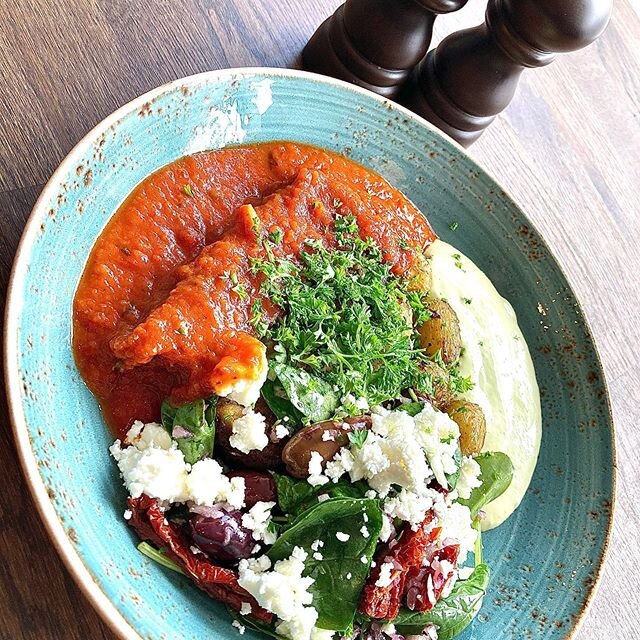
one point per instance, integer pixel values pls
(497, 359)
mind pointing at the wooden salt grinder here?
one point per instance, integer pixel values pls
(472, 75)
(375, 43)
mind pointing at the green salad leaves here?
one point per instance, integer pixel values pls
(341, 563)
(312, 396)
(347, 322)
(496, 473)
(192, 426)
(452, 614)
(295, 496)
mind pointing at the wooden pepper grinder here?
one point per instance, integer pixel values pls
(375, 43)
(472, 75)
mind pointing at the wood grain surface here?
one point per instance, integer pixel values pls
(567, 149)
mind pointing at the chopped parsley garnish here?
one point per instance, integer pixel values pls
(358, 437)
(183, 329)
(458, 260)
(187, 190)
(237, 287)
(453, 226)
(458, 383)
(467, 300)
(276, 236)
(347, 319)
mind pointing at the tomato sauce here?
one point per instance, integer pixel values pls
(164, 306)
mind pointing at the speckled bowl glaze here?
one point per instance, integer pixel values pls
(545, 559)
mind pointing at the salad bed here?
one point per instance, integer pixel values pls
(346, 498)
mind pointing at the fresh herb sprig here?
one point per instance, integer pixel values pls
(347, 318)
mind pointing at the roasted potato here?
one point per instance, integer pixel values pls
(297, 452)
(269, 458)
(441, 332)
(472, 424)
(441, 395)
(419, 275)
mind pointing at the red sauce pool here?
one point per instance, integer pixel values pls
(155, 314)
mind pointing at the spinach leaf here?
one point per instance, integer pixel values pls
(158, 555)
(312, 396)
(277, 400)
(291, 493)
(295, 496)
(477, 549)
(340, 575)
(255, 625)
(453, 478)
(452, 614)
(496, 473)
(412, 408)
(197, 420)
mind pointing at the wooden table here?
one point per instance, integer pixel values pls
(568, 150)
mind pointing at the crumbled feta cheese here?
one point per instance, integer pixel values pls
(401, 450)
(258, 519)
(245, 609)
(321, 634)
(342, 463)
(246, 390)
(160, 473)
(391, 454)
(248, 432)
(349, 575)
(469, 478)
(456, 523)
(387, 529)
(343, 537)
(317, 556)
(386, 575)
(143, 436)
(438, 435)
(316, 477)
(371, 494)
(281, 431)
(207, 485)
(150, 467)
(364, 531)
(128, 514)
(283, 591)
(364, 559)
(323, 497)
(317, 544)
(411, 507)
(328, 436)
(240, 627)
(388, 628)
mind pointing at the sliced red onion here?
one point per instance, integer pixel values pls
(375, 632)
(430, 632)
(215, 511)
(180, 432)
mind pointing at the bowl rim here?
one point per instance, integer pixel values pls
(80, 572)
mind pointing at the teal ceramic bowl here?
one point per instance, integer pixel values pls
(546, 558)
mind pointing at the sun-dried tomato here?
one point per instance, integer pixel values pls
(405, 554)
(149, 522)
